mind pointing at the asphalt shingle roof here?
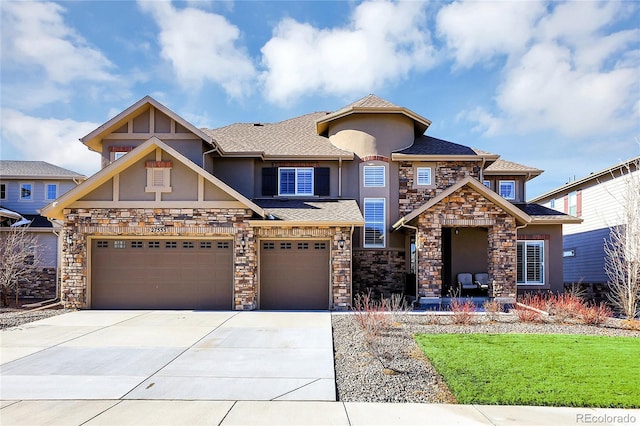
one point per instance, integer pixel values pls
(504, 166)
(533, 209)
(16, 168)
(293, 137)
(427, 145)
(312, 210)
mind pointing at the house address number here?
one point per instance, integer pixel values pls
(158, 229)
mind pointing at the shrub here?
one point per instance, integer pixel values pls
(492, 307)
(595, 314)
(370, 314)
(526, 314)
(565, 306)
(462, 311)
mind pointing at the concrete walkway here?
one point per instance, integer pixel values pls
(281, 413)
(172, 355)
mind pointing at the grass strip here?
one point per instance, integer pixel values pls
(537, 369)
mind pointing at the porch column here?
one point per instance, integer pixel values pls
(429, 249)
(502, 257)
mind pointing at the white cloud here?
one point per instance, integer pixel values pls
(476, 32)
(202, 46)
(51, 140)
(576, 75)
(383, 42)
(34, 34)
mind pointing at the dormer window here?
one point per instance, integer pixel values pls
(508, 189)
(158, 176)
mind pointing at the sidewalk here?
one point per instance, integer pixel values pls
(227, 413)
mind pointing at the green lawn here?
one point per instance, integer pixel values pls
(537, 369)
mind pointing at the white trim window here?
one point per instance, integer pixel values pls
(573, 203)
(530, 262)
(295, 181)
(374, 222)
(507, 189)
(487, 183)
(50, 191)
(374, 176)
(26, 191)
(423, 176)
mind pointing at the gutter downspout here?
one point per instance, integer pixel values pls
(484, 161)
(340, 180)
(211, 151)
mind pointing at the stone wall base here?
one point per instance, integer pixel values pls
(41, 285)
(382, 272)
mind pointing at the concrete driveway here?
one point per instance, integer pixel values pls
(170, 355)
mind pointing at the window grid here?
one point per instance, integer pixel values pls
(303, 246)
(374, 219)
(119, 244)
(136, 244)
(374, 176)
(205, 244)
(102, 244)
(154, 244)
(285, 246)
(319, 246)
(51, 190)
(188, 244)
(268, 246)
(508, 189)
(171, 244)
(223, 245)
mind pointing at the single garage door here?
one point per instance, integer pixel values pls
(161, 274)
(294, 275)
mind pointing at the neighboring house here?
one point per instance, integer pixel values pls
(25, 187)
(300, 214)
(597, 199)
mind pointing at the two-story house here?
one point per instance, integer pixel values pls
(597, 199)
(299, 214)
(26, 187)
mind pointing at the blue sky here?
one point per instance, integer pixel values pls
(553, 85)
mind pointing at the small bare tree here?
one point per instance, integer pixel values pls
(18, 259)
(622, 250)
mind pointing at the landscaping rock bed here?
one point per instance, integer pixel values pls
(13, 317)
(395, 370)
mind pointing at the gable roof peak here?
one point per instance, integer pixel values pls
(372, 104)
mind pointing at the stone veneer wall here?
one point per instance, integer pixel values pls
(82, 223)
(445, 174)
(380, 271)
(340, 257)
(41, 285)
(466, 207)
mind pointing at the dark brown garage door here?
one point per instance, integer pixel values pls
(161, 274)
(294, 275)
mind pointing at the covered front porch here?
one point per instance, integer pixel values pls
(466, 229)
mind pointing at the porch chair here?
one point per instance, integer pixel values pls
(481, 280)
(465, 282)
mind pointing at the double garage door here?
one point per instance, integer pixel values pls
(161, 274)
(198, 274)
